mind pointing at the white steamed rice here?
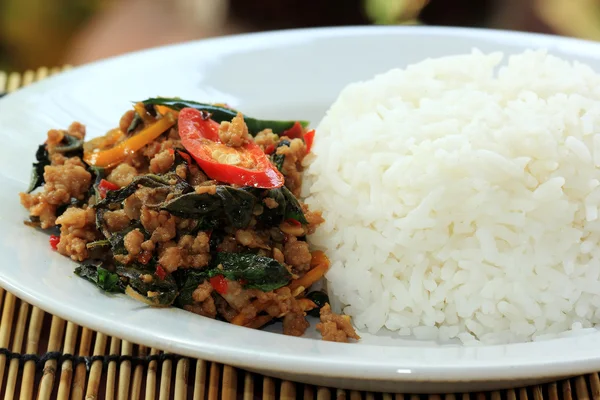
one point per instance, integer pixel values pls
(462, 198)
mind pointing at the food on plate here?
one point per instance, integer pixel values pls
(460, 198)
(189, 205)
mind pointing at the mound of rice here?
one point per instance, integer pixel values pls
(461, 198)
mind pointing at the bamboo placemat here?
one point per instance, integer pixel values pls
(47, 357)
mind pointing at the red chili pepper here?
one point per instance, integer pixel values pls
(185, 156)
(144, 257)
(219, 283)
(295, 132)
(247, 165)
(160, 272)
(54, 240)
(270, 149)
(104, 186)
(292, 221)
(309, 137)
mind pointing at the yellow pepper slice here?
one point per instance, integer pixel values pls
(110, 157)
(164, 110)
(141, 111)
(319, 264)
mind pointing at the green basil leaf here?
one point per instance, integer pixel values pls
(37, 173)
(99, 276)
(166, 289)
(193, 205)
(320, 298)
(293, 209)
(262, 273)
(220, 114)
(188, 280)
(99, 174)
(70, 144)
(135, 122)
(70, 147)
(234, 205)
(117, 239)
(237, 204)
(118, 196)
(274, 216)
(278, 159)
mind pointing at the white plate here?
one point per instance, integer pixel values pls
(291, 74)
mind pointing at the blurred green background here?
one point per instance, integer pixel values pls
(36, 33)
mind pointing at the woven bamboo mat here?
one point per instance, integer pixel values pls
(45, 357)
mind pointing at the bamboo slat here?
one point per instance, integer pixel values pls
(22, 330)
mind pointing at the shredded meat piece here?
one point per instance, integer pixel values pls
(270, 203)
(203, 302)
(229, 245)
(297, 254)
(334, 327)
(292, 229)
(251, 239)
(181, 171)
(196, 176)
(294, 324)
(126, 120)
(132, 207)
(314, 219)
(55, 136)
(122, 175)
(210, 189)
(161, 162)
(266, 138)
(116, 220)
(133, 242)
(189, 252)
(37, 207)
(280, 302)
(237, 296)
(152, 196)
(148, 245)
(170, 257)
(138, 161)
(202, 292)
(292, 165)
(234, 133)
(77, 130)
(160, 224)
(63, 182)
(78, 228)
(224, 309)
(278, 255)
(196, 249)
(205, 307)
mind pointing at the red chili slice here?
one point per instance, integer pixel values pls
(292, 221)
(160, 272)
(219, 283)
(295, 132)
(185, 156)
(54, 240)
(270, 149)
(309, 137)
(245, 166)
(104, 186)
